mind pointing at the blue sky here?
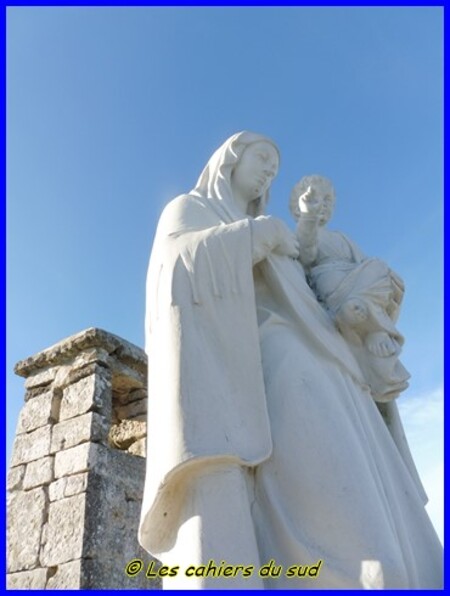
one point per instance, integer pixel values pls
(111, 112)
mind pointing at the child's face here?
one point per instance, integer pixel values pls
(326, 201)
(320, 201)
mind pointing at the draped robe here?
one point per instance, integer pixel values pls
(342, 272)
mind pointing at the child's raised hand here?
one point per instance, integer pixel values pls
(309, 202)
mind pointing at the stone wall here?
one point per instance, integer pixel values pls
(77, 469)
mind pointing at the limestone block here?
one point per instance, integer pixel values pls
(111, 535)
(88, 427)
(57, 489)
(130, 545)
(139, 448)
(101, 573)
(65, 351)
(131, 395)
(67, 576)
(80, 459)
(133, 480)
(68, 486)
(27, 580)
(113, 510)
(15, 477)
(126, 379)
(131, 410)
(41, 378)
(76, 484)
(39, 411)
(89, 393)
(84, 365)
(110, 573)
(89, 356)
(35, 391)
(31, 446)
(26, 514)
(64, 531)
(68, 375)
(38, 473)
(125, 433)
(105, 519)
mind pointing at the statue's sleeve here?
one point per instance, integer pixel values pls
(206, 398)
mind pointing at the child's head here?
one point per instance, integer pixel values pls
(324, 193)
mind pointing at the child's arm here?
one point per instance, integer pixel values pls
(308, 226)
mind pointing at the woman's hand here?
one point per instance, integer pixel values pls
(275, 236)
(288, 244)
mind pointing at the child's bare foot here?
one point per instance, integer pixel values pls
(380, 344)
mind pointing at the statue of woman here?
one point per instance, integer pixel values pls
(265, 447)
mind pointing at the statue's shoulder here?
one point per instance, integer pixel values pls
(184, 204)
(331, 233)
(338, 238)
(184, 212)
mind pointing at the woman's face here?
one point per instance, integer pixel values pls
(256, 169)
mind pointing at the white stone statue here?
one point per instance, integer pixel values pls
(268, 462)
(362, 295)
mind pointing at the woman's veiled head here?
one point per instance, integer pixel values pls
(215, 182)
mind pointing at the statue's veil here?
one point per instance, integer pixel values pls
(215, 180)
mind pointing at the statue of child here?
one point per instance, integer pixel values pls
(362, 295)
